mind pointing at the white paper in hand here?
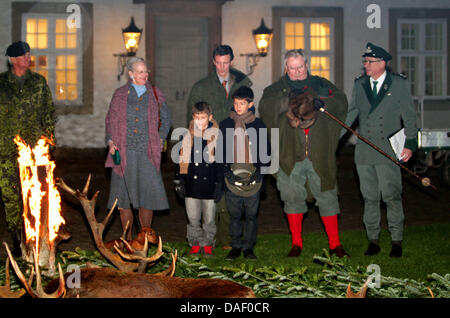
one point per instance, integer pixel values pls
(398, 142)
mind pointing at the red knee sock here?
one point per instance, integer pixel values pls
(295, 225)
(331, 227)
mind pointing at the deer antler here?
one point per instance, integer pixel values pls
(171, 270)
(96, 227)
(140, 256)
(5, 291)
(362, 292)
(39, 291)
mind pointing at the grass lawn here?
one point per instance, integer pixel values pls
(426, 250)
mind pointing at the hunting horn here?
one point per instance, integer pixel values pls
(320, 106)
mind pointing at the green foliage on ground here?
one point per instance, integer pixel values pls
(425, 263)
(426, 249)
(424, 267)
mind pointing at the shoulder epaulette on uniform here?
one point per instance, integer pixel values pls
(359, 77)
(400, 75)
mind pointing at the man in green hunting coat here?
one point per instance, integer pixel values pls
(306, 151)
(216, 89)
(381, 100)
(26, 109)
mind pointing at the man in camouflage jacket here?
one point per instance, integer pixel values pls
(26, 109)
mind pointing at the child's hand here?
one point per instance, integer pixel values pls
(229, 175)
(180, 188)
(255, 177)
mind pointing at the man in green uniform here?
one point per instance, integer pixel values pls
(307, 154)
(216, 89)
(26, 109)
(381, 100)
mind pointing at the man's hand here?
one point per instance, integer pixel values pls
(406, 154)
(293, 121)
(255, 177)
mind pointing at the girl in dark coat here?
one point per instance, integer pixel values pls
(200, 176)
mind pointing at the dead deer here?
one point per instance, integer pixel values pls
(125, 282)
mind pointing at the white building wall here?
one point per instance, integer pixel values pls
(110, 16)
(239, 18)
(5, 32)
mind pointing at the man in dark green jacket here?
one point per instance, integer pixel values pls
(306, 155)
(26, 109)
(381, 100)
(216, 89)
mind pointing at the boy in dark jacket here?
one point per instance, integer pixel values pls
(243, 136)
(200, 176)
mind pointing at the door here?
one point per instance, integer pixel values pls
(181, 57)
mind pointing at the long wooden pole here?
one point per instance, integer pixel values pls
(426, 182)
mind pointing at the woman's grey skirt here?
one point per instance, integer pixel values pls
(141, 183)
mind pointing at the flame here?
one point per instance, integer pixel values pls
(29, 160)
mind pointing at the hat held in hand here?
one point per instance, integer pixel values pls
(242, 185)
(301, 112)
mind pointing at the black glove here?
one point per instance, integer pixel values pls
(180, 188)
(218, 192)
(318, 104)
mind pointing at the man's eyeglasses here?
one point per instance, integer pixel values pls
(298, 68)
(364, 62)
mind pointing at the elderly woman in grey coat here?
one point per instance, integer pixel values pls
(137, 123)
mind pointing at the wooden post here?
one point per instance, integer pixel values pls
(46, 249)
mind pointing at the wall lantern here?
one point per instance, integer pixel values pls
(262, 36)
(131, 37)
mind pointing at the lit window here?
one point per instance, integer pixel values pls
(320, 36)
(56, 54)
(315, 37)
(65, 38)
(422, 55)
(320, 66)
(39, 64)
(66, 77)
(294, 35)
(37, 33)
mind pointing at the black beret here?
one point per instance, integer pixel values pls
(376, 51)
(18, 48)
